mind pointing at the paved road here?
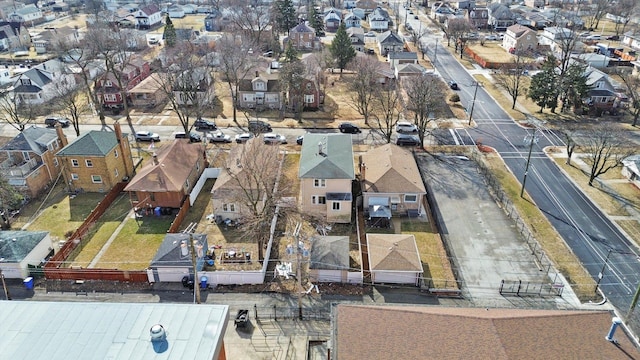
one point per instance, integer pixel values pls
(587, 231)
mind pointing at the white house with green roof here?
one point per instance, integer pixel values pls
(97, 160)
(326, 173)
(19, 249)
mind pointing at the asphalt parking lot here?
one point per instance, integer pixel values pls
(481, 238)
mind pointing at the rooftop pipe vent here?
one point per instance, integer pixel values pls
(157, 333)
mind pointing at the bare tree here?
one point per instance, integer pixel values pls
(597, 10)
(511, 77)
(458, 30)
(362, 85)
(236, 63)
(14, 111)
(386, 106)
(632, 87)
(605, 147)
(10, 199)
(416, 35)
(252, 20)
(423, 95)
(69, 97)
(254, 169)
(623, 10)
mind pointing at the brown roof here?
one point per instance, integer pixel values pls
(393, 252)
(175, 162)
(424, 332)
(391, 169)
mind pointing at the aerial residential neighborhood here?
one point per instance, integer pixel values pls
(320, 180)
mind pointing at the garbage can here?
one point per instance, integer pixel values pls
(203, 282)
(28, 283)
(157, 211)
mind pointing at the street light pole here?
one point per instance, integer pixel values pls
(534, 139)
(601, 273)
(473, 102)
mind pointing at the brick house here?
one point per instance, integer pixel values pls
(131, 75)
(302, 38)
(28, 160)
(97, 160)
(478, 17)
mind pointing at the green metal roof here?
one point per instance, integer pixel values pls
(93, 143)
(334, 161)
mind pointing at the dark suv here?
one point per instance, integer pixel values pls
(258, 126)
(202, 124)
(53, 120)
(349, 128)
(407, 140)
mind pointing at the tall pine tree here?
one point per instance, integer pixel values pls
(315, 20)
(341, 48)
(543, 89)
(169, 34)
(284, 16)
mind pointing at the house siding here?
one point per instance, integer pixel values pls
(332, 186)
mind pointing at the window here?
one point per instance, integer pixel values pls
(318, 200)
(89, 162)
(25, 155)
(55, 162)
(335, 206)
(308, 99)
(116, 173)
(247, 97)
(410, 198)
(74, 177)
(75, 163)
(258, 85)
(115, 153)
(96, 179)
(110, 97)
(319, 183)
(108, 83)
(229, 207)
(152, 196)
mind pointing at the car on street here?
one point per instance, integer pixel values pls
(407, 140)
(147, 136)
(243, 138)
(613, 37)
(300, 139)
(52, 121)
(218, 137)
(491, 37)
(259, 126)
(594, 37)
(193, 137)
(202, 124)
(405, 127)
(453, 85)
(349, 128)
(371, 51)
(274, 139)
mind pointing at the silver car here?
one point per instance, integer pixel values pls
(218, 137)
(147, 136)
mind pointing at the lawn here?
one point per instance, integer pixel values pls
(492, 51)
(550, 241)
(290, 174)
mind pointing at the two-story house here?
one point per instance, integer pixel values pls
(14, 36)
(603, 93)
(332, 19)
(130, 75)
(478, 17)
(302, 38)
(379, 20)
(519, 38)
(194, 86)
(97, 160)
(352, 20)
(29, 15)
(28, 160)
(389, 42)
(326, 172)
(37, 86)
(500, 17)
(49, 39)
(9, 6)
(261, 91)
(356, 35)
(555, 37)
(148, 16)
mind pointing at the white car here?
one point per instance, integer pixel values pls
(273, 138)
(405, 127)
(218, 137)
(491, 37)
(243, 138)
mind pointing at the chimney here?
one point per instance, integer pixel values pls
(256, 73)
(118, 131)
(155, 159)
(320, 148)
(61, 136)
(615, 322)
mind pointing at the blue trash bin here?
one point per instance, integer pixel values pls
(28, 283)
(203, 282)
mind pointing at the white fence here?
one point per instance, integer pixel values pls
(208, 173)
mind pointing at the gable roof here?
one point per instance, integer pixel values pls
(175, 163)
(92, 143)
(410, 68)
(301, 28)
(389, 37)
(479, 333)
(150, 9)
(500, 11)
(393, 252)
(329, 253)
(335, 161)
(39, 78)
(519, 30)
(632, 163)
(32, 139)
(170, 254)
(16, 245)
(391, 169)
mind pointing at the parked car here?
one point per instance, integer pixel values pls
(273, 139)
(406, 127)
(370, 34)
(54, 120)
(202, 124)
(407, 140)
(147, 136)
(613, 37)
(193, 137)
(218, 137)
(416, 17)
(349, 128)
(491, 37)
(258, 126)
(594, 37)
(453, 85)
(371, 51)
(243, 138)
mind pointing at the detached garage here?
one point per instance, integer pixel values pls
(173, 260)
(394, 259)
(19, 249)
(329, 258)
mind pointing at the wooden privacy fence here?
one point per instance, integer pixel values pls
(175, 225)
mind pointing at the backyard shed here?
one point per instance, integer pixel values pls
(329, 258)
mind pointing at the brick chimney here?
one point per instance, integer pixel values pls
(118, 131)
(61, 136)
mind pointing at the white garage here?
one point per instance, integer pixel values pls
(394, 259)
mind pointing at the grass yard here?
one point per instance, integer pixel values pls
(290, 174)
(553, 245)
(492, 51)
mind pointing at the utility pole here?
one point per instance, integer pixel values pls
(534, 139)
(296, 236)
(633, 302)
(196, 284)
(4, 286)
(601, 273)
(473, 102)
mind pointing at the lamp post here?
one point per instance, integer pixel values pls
(534, 139)
(473, 102)
(601, 273)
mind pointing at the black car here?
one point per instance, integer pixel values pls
(453, 85)
(52, 121)
(407, 140)
(259, 126)
(613, 37)
(349, 128)
(202, 124)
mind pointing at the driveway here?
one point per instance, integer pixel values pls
(483, 241)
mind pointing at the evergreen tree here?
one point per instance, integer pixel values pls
(574, 86)
(284, 15)
(543, 89)
(315, 20)
(341, 48)
(169, 34)
(292, 80)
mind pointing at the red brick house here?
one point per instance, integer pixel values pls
(132, 74)
(302, 38)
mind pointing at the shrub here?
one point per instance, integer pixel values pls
(454, 98)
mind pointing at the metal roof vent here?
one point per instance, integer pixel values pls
(157, 333)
